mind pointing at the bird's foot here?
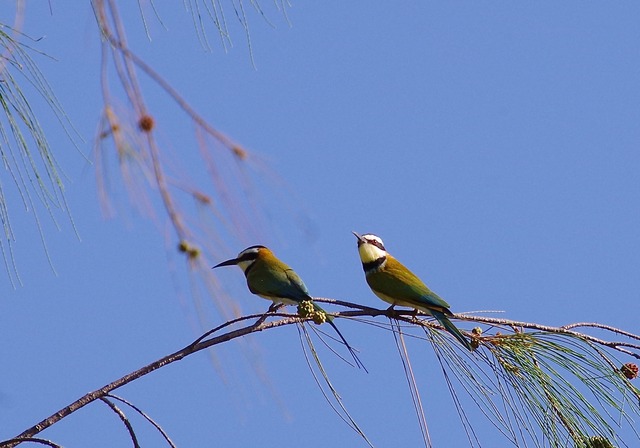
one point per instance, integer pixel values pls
(391, 311)
(274, 307)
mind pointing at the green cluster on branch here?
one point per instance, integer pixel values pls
(476, 332)
(307, 310)
(595, 442)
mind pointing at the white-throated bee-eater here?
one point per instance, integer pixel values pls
(395, 284)
(271, 279)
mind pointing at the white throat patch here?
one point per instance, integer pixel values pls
(244, 265)
(368, 252)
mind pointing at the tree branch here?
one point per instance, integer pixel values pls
(410, 316)
(353, 310)
(195, 347)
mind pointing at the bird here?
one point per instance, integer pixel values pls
(394, 283)
(271, 279)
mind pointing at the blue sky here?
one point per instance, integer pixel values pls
(492, 145)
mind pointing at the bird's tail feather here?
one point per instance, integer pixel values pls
(448, 325)
(351, 349)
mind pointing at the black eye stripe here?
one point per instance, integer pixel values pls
(248, 256)
(377, 243)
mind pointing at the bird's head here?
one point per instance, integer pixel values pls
(370, 247)
(246, 258)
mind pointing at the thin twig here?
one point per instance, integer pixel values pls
(173, 93)
(602, 327)
(124, 420)
(398, 336)
(17, 440)
(162, 432)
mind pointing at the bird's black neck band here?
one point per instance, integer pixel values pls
(246, 271)
(374, 265)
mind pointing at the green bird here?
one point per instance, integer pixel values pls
(395, 284)
(271, 279)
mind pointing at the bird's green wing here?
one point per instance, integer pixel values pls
(297, 288)
(398, 282)
(278, 281)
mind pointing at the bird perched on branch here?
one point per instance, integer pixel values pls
(271, 279)
(395, 284)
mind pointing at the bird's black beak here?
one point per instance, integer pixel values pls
(231, 262)
(360, 239)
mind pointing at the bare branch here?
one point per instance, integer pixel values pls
(162, 432)
(177, 356)
(506, 343)
(17, 440)
(124, 419)
(410, 316)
